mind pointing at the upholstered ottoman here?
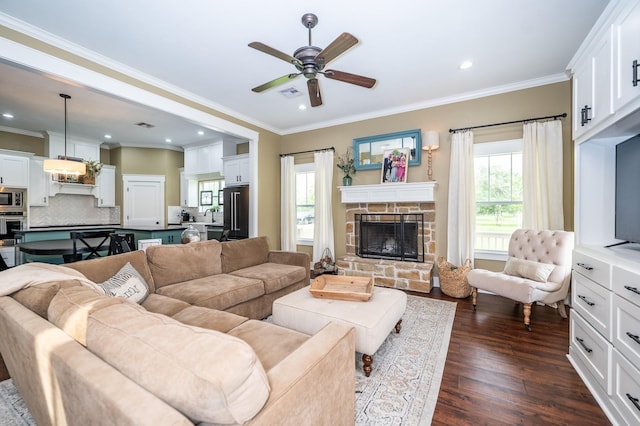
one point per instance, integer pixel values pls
(373, 320)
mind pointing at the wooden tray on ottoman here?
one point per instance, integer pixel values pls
(342, 287)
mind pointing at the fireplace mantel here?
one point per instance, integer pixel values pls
(389, 193)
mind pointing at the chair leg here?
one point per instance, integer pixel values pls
(527, 316)
(474, 295)
(561, 309)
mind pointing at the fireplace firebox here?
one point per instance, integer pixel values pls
(390, 236)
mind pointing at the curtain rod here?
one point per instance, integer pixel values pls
(555, 117)
(311, 150)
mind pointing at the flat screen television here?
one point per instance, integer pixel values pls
(627, 213)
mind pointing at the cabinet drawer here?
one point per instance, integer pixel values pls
(626, 329)
(626, 284)
(594, 303)
(593, 350)
(596, 270)
(626, 389)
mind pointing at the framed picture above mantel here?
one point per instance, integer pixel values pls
(369, 151)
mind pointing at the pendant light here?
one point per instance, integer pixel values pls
(63, 165)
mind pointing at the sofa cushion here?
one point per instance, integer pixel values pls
(164, 305)
(127, 283)
(212, 319)
(207, 375)
(38, 297)
(71, 306)
(103, 268)
(535, 271)
(175, 263)
(271, 343)
(274, 275)
(217, 291)
(244, 253)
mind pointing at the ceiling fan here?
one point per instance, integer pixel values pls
(311, 60)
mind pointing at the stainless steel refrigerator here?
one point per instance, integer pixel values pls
(236, 211)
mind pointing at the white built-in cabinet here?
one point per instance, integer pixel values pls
(604, 345)
(14, 171)
(627, 38)
(106, 186)
(236, 170)
(203, 159)
(39, 182)
(605, 71)
(188, 191)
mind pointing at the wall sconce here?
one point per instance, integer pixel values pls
(431, 142)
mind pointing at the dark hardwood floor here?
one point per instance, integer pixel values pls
(498, 373)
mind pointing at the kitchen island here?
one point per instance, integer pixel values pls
(168, 234)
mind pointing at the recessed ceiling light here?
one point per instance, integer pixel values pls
(107, 136)
(200, 132)
(167, 140)
(465, 65)
(7, 115)
(302, 106)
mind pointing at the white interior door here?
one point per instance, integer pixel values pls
(143, 200)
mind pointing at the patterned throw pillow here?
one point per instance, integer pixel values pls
(127, 283)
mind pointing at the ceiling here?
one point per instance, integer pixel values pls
(199, 49)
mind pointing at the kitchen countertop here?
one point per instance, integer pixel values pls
(154, 228)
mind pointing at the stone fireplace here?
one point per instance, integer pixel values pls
(405, 211)
(390, 236)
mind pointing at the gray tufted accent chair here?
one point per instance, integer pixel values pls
(550, 247)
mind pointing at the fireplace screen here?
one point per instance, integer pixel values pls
(390, 236)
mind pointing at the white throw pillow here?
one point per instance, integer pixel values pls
(528, 269)
(127, 283)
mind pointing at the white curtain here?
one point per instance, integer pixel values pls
(542, 175)
(462, 200)
(323, 221)
(288, 203)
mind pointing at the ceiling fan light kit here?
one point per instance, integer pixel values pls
(311, 60)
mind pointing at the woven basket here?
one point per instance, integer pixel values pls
(453, 279)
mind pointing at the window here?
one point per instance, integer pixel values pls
(214, 186)
(305, 203)
(498, 181)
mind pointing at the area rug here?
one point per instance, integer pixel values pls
(401, 390)
(407, 369)
(13, 412)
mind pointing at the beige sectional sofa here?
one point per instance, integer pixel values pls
(193, 352)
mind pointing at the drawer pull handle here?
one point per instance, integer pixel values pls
(634, 337)
(585, 266)
(632, 289)
(581, 341)
(634, 401)
(587, 301)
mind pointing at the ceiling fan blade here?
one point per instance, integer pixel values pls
(314, 92)
(274, 52)
(344, 42)
(356, 79)
(275, 82)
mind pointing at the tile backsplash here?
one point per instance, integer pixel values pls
(67, 209)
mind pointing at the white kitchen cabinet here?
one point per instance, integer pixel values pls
(8, 255)
(106, 186)
(592, 87)
(627, 72)
(39, 182)
(237, 170)
(86, 150)
(14, 171)
(188, 191)
(203, 159)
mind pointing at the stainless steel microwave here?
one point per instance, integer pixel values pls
(10, 198)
